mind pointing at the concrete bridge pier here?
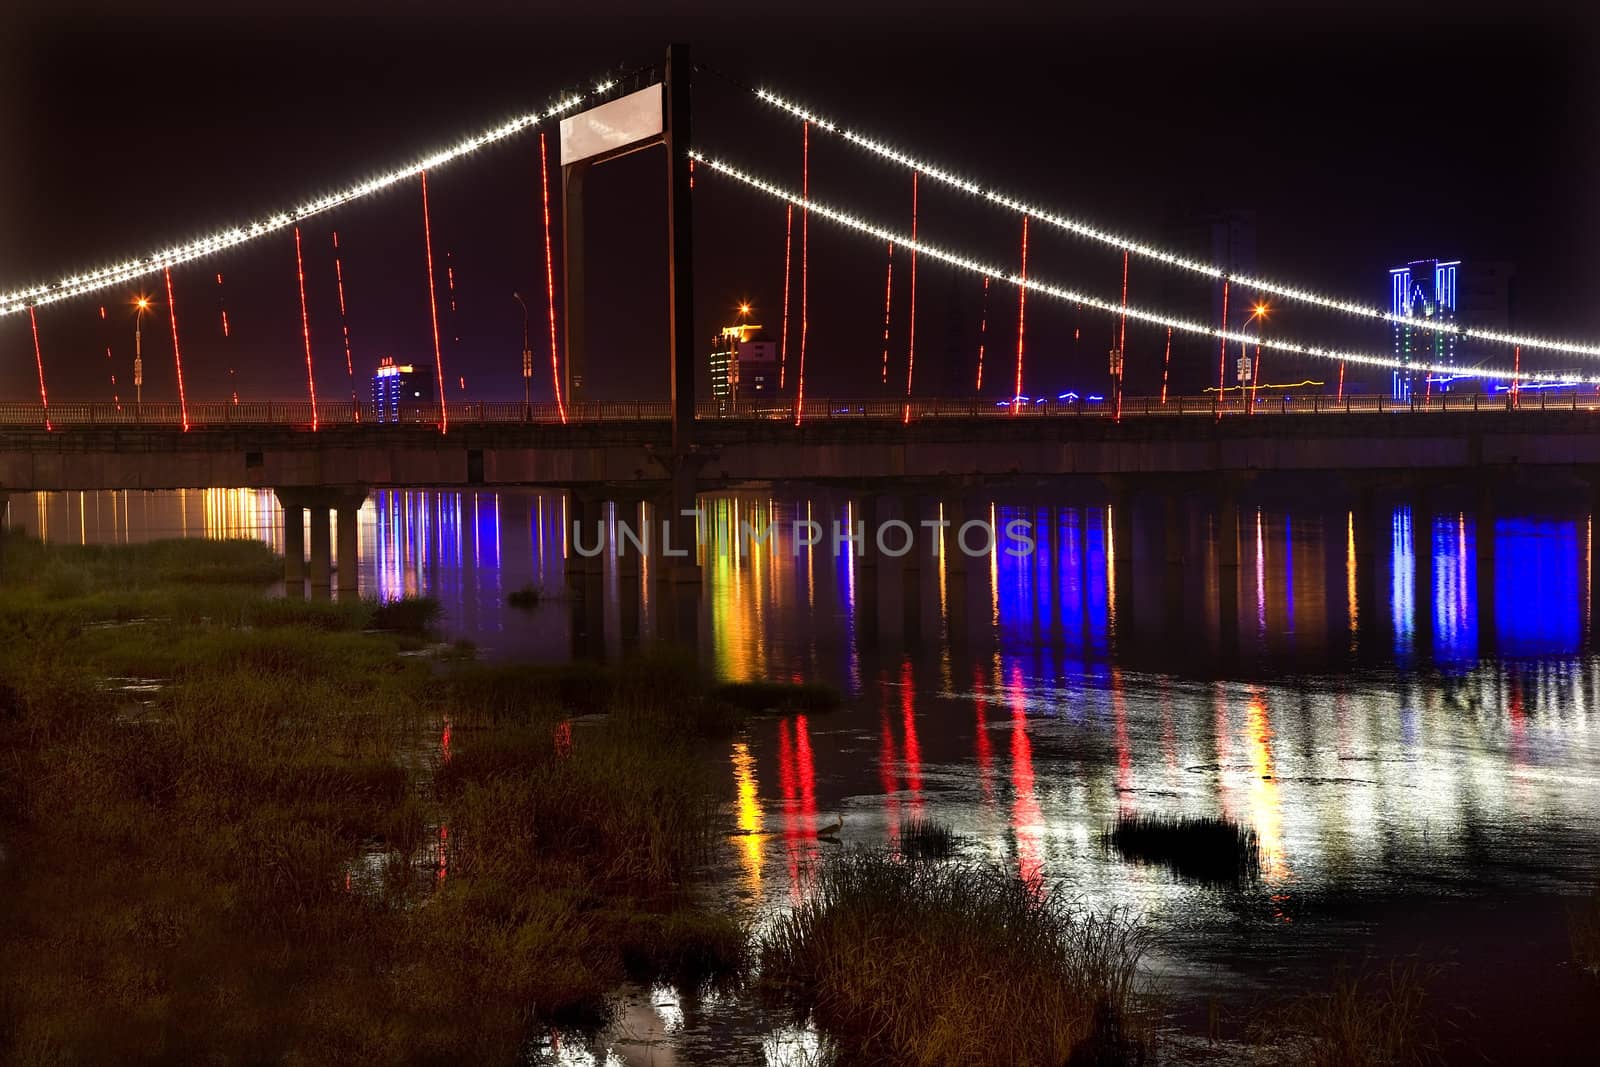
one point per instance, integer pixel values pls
(294, 546)
(347, 520)
(321, 569)
(321, 502)
(954, 561)
(629, 566)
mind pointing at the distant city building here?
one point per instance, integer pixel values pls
(402, 392)
(744, 366)
(1423, 289)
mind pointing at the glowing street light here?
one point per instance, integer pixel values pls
(744, 308)
(142, 304)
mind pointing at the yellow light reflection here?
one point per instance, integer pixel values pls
(748, 803)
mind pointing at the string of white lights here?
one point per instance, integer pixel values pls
(1033, 284)
(1161, 255)
(106, 277)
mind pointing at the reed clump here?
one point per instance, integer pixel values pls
(955, 963)
(1206, 849)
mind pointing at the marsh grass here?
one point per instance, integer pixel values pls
(1368, 1016)
(955, 963)
(526, 598)
(262, 867)
(1202, 848)
(922, 838)
(406, 615)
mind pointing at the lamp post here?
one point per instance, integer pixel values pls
(527, 361)
(142, 305)
(1250, 370)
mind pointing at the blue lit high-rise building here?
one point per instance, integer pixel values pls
(403, 393)
(1423, 289)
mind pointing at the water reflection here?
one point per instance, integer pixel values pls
(1438, 712)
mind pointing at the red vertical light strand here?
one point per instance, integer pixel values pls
(783, 343)
(115, 399)
(1022, 310)
(227, 332)
(344, 324)
(177, 353)
(222, 307)
(888, 291)
(805, 258)
(1166, 365)
(550, 279)
(433, 309)
(1122, 336)
(305, 326)
(1341, 382)
(983, 330)
(1222, 354)
(38, 361)
(911, 343)
(1516, 377)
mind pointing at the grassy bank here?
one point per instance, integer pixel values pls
(922, 963)
(245, 830)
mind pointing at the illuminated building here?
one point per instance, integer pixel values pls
(744, 366)
(402, 392)
(1422, 289)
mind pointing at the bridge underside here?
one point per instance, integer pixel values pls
(736, 452)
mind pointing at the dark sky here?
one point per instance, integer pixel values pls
(1360, 138)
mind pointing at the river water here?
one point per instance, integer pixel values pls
(1415, 741)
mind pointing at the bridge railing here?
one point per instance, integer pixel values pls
(298, 414)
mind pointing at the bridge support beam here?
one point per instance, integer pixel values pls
(321, 502)
(347, 517)
(321, 551)
(294, 546)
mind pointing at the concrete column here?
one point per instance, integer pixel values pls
(683, 529)
(294, 544)
(582, 519)
(348, 522)
(628, 566)
(955, 513)
(321, 552)
(911, 515)
(866, 515)
(1174, 527)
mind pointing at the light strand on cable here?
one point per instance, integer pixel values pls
(38, 360)
(1136, 313)
(433, 309)
(1173, 259)
(305, 326)
(177, 353)
(176, 255)
(911, 338)
(550, 279)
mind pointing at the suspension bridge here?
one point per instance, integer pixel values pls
(1530, 402)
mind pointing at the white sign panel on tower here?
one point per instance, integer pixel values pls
(613, 127)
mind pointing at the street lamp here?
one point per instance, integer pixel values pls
(143, 305)
(1250, 370)
(527, 360)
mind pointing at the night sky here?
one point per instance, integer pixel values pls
(1360, 139)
